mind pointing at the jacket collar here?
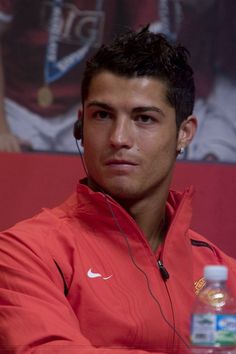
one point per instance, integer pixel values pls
(178, 211)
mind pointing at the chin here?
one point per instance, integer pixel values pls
(118, 189)
(122, 192)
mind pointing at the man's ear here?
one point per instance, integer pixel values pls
(186, 133)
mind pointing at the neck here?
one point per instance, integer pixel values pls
(149, 214)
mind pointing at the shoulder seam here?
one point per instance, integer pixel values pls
(199, 243)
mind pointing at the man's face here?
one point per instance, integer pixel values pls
(130, 135)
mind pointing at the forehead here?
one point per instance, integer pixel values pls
(112, 87)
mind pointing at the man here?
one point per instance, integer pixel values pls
(116, 268)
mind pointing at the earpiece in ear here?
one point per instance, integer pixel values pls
(78, 127)
(78, 130)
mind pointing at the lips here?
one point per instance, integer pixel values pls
(119, 162)
(121, 166)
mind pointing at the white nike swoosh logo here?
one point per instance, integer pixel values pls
(92, 275)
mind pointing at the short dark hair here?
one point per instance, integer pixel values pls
(144, 53)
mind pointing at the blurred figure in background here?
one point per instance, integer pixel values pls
(216, 136)
(44, 46)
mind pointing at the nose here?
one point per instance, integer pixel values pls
(121, 135)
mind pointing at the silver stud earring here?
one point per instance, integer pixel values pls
(181, 151)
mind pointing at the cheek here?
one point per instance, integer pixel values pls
(94, 150)
(161, 157)
(158, 147)
(94, 136)
(92, 143)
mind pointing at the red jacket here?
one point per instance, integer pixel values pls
(81, 278)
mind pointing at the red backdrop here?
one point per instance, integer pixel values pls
(32, 181)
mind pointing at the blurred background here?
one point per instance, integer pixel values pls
(45, 44)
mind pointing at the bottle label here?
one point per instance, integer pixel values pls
(213, 329)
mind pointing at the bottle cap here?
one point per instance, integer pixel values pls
(216, 272)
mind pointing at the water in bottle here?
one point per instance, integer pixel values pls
(213, 322)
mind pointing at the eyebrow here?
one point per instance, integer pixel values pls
(141, 109)
(99, 104)
(144, 109)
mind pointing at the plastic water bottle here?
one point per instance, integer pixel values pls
(213, 323)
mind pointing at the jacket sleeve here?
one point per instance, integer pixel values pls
(35, 315)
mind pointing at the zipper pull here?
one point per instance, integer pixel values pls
(164, 273)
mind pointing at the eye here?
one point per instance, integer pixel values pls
(101, 114)
(144, 119)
